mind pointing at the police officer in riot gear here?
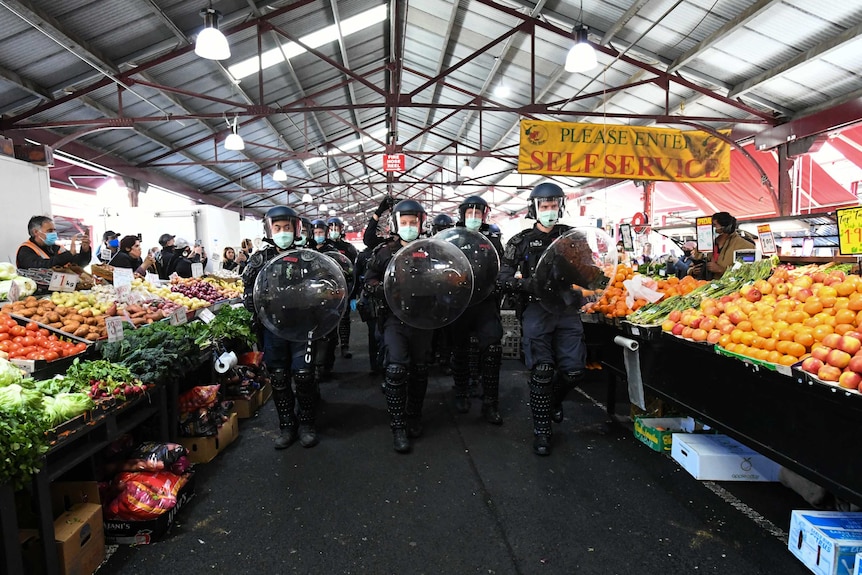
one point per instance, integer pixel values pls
(336, 237)
(482, 320)
(441, 222)
(324, 349)
(406, 370)
(301, 241)
(554, 349)
(284, 359)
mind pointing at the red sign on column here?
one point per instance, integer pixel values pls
(393, 162)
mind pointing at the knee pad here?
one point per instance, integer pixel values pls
(303, 377)
(279, 380)
(493, 355)
(396, 374)
(542, 374)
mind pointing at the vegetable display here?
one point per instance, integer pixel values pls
(155, 353)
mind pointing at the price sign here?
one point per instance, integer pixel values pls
(123, 292)
(153, 279)
(206, 315)
(174, 276)
(123, 277)
(114, 326)
(28, 365)
(704, 234)
(626, 236)
(767, 240)
(197, 270)
(179, 317)
(14, 292)
(849, 231)
(63, 282)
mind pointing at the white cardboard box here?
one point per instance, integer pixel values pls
(827, 542)
(720, 458)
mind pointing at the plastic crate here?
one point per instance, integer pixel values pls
(511, 345)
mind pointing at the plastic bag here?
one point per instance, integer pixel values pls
(198, 397)
(151, 456)
(641, 287)
(144, 495)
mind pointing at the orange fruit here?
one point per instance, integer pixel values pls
(822, 331)
(845, 316)
(812, 306)
(788, 360)
(795, 349)
(773, 356)
(843, 328)
(787, 334)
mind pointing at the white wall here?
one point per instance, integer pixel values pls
(216, 229)
(25, 193)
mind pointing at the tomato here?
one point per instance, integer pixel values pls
(51, 355)
(53, 337)
(44, 332)
(80, 347)
(4, 328)
(17, 330)
(5, 345)
(28, 341)
(32, 326)
(4, 336)
(18, 339)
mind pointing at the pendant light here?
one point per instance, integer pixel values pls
(211, 43)
(234, 140)
(307, 199)
(466, 170)
(582, 56)
(279, 175)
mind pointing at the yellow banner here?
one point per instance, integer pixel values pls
(623, 152)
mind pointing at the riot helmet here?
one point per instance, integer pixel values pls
(441, 222)
(408, 208)
(280, 214)
(319, 230)
(478, 203)
(336, 228)
(546, 191)
(302, 239)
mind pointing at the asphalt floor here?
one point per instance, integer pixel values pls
(469, 498)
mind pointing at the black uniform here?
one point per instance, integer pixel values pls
(482, 321)
(367, 311)
(407, 348)
(283, 358)
(324, 348)
(346, 249)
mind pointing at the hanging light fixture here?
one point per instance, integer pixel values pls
(233, 140)
(279, 175)
(466, 170)
(502, 90)
(582, 56)
(322, 209)
(211, 43)
(307, 199)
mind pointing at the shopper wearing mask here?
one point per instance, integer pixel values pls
(231, 262)
(129, 256)
(284, 359)
(727, 241)
(407, 347)
(554, 349)
(247, 247)
(481, 320)
(166, 258)
(109, 246)
(42, 249)
(184, 256)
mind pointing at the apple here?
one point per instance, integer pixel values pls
(832, 340)
(849, 344)
(849, 380)
(855, 363)
(753, 295)
(708, 323)
(781, 288)
(713, 336)
(856, 334)
(821, 352)
(737, 316)
(838, 358)
(677, 329)
(829, 373)
(675, 315)
(812, 365)
(695, 323)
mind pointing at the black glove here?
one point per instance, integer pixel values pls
(386, 204)
(373, 289)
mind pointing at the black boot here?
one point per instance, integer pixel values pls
(285, 402)
(417, 385)
(305, 387)
(563, 384)
(540, 404)
(396, 399)
(475, 367)
(461, 379)
(490, 367)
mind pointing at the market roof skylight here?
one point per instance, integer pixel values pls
(314, 40)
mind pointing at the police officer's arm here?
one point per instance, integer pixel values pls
(249, 275)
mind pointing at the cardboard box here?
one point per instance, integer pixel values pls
(720, 458)
(35, 154)
(827, 542)
(246, 408)
(31, 551)
(7, 148)
(80, 539)
(118, 532)
(65, 494)
(265, 394)
(204, 449)
(657, 432)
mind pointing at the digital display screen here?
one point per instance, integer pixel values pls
(745, 256)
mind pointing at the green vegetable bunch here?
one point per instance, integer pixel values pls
(155, 353)
(22, 444)
(229, 323)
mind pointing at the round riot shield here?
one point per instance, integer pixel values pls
(347, 268)
(482, 256)
(573, 268)
(428, 283)
(300, 295)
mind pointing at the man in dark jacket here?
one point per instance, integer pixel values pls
(41, 250)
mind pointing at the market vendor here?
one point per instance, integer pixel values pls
(129, 256)
(727, 241)
(42, 250)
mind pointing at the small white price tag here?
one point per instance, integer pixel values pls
(767, 239)
(153, 279)
(197, 270)
(63, 282)
(174, 276)
(114, 326)
(14, 292)
(206, 315)
(27, 365)
(123, 277)
(123, 292)
(179, 317)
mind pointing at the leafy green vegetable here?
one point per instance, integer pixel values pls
(82, 374)
(155, 353)
(9, 373)
(65, 406)
(14, 397)
(22, 444)
(229, 323)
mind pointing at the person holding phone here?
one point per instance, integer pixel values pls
(129, 256)
(42, 249)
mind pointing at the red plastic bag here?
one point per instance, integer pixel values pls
(144, 495)
(198, 397)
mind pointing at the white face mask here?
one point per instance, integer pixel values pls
(408, 233)
(549, 218)
(283, 239)
(473, 223)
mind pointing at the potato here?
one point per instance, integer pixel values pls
(71, 326)
(82, 331)
(86, 313)
(92, 336)
(52, 317)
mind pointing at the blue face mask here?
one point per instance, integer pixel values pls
(548, 219)
(51, 238)
(301, 240)
(115, 243)
(334, 235)
(319, 239)
(283, 239)
(408, 233)
(473, 223)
